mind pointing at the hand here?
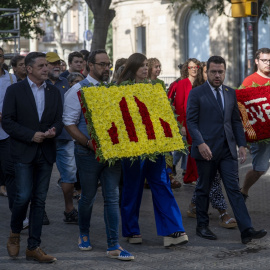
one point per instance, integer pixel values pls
(0, 117)
(183, 131)
(242, 154)
(90, 145)
(38, 137)
(205, 151)
(50, 133)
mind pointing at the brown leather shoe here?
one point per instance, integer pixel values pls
(39, 255)
(13, 244)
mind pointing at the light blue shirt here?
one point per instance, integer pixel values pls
(5, 82)
(215, 92)
(39, 95)
(72, 106)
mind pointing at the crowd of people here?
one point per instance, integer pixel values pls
(41, 122)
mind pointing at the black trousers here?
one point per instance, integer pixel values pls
(228, 169)
(7, 167)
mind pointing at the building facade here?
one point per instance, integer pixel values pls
(175, 33)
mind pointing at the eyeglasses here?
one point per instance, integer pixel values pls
(103, 65)
(194, 67)
(219, 72)
(265, 61)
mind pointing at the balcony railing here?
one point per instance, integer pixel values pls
(66, 37)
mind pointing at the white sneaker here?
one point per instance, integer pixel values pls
(25, 223)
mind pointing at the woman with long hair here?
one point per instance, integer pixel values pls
(167, 214)
(190, 78)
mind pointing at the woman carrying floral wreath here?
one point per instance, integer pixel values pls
(154, 69)
(167, 214)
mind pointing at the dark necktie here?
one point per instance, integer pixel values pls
(219, 99)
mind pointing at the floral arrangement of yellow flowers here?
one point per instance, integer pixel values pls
(129, 121)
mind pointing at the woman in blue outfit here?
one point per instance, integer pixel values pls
(167, 213)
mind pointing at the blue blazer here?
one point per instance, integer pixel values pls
(20, 120)
(206, 122)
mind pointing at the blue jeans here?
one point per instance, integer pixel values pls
(90, 171)
(65, 161)
(32, 183)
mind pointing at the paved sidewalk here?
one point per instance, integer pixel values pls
(227, 252)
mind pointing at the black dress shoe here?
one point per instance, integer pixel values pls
(46, 220)
(205, 232)
(249, 234)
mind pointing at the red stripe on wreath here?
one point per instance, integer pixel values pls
(166, 127)
(113, 134)
(130, 128)
(146, 120)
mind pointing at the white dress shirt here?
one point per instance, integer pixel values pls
(5, 82)
(215, 93)
(39, 95)
(72, 106)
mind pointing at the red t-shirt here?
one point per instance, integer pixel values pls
(256, 78)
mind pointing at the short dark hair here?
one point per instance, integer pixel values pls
(262, 50)
(217, 60)
(92, 55)
(14, 60)
(72, 55)
(30, 59)
(257, 56)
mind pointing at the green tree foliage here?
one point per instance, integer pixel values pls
(30, 12)
(219, 5)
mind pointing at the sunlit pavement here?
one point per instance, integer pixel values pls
(227, 252)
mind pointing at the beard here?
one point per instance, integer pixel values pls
(104, 76)
(53, 75)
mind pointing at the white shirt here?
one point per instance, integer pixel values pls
(72, 106)
(5, 82)
(39, 95)
(215, 92)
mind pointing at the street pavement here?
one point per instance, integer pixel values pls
(227, 252)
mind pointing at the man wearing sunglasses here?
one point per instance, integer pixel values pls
(260, 151)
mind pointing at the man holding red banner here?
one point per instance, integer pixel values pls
(260, 152)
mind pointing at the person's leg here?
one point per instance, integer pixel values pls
(110, 179)
(65, 161)
(260, 153)
(42, 171)
(191, 174)
(89, 171)
(216, 196)
(207, 172)
(228, 168)
(7, 169)
(133, 182)
(167, 213)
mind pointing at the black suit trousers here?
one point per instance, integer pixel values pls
(228, 168)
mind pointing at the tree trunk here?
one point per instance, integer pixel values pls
(103, 16)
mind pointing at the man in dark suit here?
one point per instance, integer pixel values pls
(214, 124)
(32, 116)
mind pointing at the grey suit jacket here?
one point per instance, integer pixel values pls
(206, 122)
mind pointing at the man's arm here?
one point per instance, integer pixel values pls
(77, 135)
(57, 126)
(9, 123)
(193, 109)
(237, 126)
(71, 116)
